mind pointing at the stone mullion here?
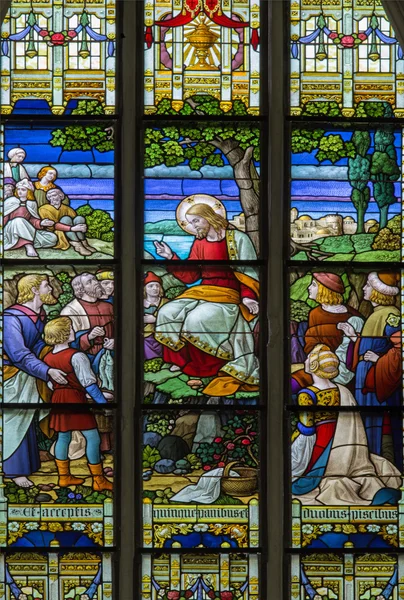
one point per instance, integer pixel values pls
(5, 64)
(58, 61)
(110, 99)
(347, 62)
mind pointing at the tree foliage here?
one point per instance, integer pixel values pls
(196, 144)
(330, 147)
(84, 137)
(99, 223)
(209, 143)
(321, 109)
(387, 240)
(359, 176)
(384, 171)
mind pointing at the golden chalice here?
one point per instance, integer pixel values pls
(202, 39)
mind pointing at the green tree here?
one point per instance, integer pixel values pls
(359, 176)
(99, 223)
(209, 143)
(374, 109)
(84, 137)
(384, 171)
(322, 109)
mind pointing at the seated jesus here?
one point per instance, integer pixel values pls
(207, 331)
(69, 228)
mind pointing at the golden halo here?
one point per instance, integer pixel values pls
(186, 204)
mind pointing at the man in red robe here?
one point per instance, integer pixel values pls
(93, 323)
(209, 328)
(92, 318)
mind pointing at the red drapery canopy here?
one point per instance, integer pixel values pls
(211, 8)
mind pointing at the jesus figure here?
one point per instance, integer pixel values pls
(207, 331)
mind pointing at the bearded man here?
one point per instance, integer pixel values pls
(92, 317)
(23, 372)
(208, 330)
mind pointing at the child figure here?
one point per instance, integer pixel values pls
(81, 380)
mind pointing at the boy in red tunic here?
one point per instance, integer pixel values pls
(81, 380)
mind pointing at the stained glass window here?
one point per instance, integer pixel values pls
(59, 352)
(344, 60)
(201, 398)
(345, 295)
(202, 51)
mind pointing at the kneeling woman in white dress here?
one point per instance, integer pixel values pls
(331, 462)
(23, 226)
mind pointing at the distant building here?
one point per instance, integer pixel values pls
(306, 229)
(349, 226)
(371, 226)
(238, 222)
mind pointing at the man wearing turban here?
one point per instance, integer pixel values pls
(14, 170)
(366, 350)
(23, 226)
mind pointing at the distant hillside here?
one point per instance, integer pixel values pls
(165, 227)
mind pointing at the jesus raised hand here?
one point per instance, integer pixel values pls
(163, 250)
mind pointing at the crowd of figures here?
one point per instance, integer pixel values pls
(67, 360)
(37, 214)
(347, 354)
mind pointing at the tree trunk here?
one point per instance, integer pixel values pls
(361, 216)
(384, 211)
(247, 179)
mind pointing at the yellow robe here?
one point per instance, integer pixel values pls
(55, 214)
(376, 322)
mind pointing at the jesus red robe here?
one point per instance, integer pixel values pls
(191, 359)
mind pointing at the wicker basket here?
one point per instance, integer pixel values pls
(245, 485)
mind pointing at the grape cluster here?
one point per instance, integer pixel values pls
(160, 423)
(153, 365)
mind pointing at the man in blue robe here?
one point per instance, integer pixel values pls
(23, 372)
(383, 431)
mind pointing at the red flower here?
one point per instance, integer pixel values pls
(218, 440)
(58, 39)
(221, 464)
(211, 594)
(333, 35)
(362, 36)
(239, 430)
(71, 33)
(207, 468)
(226, 595)
(216, 456)
(230, 446)
(246, 442)
(253, 433)
(43, 33)
(348, 41)
(188, 594)
(173, 595)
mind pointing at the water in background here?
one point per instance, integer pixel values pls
(180, 244)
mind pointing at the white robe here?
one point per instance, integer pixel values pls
(353, 475)
(77, 314)
(219, 329)
(8, 174)
(19, 228)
